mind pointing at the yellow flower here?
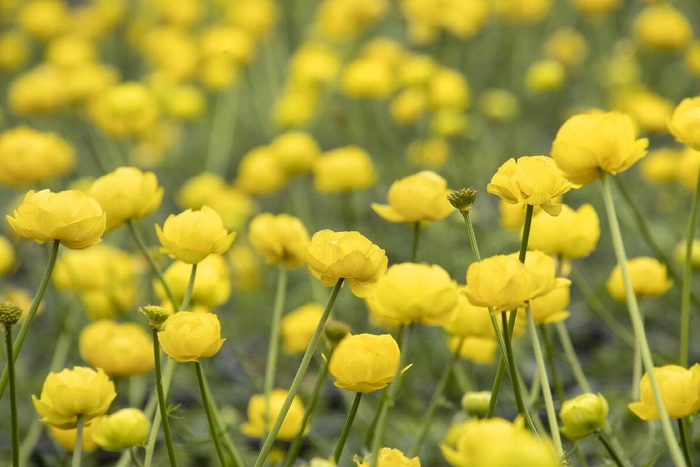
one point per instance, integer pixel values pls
(545, 75)
(680, 391)
(368, 78)
(685, 121)
(479, 350)
(571, 234)
(298, 326)
(260, 172)
(7, 255)
(191, 236)
(476, 403)
(567, 46)
(349, 255)
(186, 336)
(256, 427)
(468, 320)
(125, 109)
(282, 239)
(365, 362)
(587, 143)
(70, 216)
(28, 156)
(121, 350)
(410, 292)
(661, 165)
(688, 168)
(66, 438)
(122, 429)
(246, 268)
(198, 190)
(679, 253)
(583, 415)
(408, 105)
(314, 63)
(649, 278)
(44, 19)
(389, 457)
(295, 151)
(212, 284)
(448, 89)
(552, 306)
(344, 169)
(596, 6)
(531, 180)
(662, 27)
(499, 104)
(416, 198)
(14, 50)
(125, 194)
(69, 393)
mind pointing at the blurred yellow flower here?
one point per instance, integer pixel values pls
(368, 78)
(364, 362)
(198, 190)
(43, 90)
(7, 255)
(418, 197)
(72, 392)
(662, 27)
(545, 75)
(257, 17)
(649, 278)
(125, 109)
(552, 306)
(258, 405)
(281, 239)
(71, 217)
(685, 122)
(120, 349)
(583, 415)
(390, 457)
(314, 63)
(66, 438)
(680, 391)
(344, 169)
(448, 89)
(688, 168)
(122, 429)
(14, 50)
(468, 320)
(295, 151)
(212, 283)
(679, 253)
(571, 234)
(432, 152)
(191, 236)
(43, 19)
(186, 336)
(298, 326)
(479, 350)
(587, 143)
(348, 255)
(596, 7)
(499, 104)
(260, 172)
(408, 105)
(246, 267)
(567, 46)
(660, 165)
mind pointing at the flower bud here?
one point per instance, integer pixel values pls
(336, 331)
(10, 313)
(476, 403)
(123, 429)
(462, 199)
(583, 415)
(156, 315)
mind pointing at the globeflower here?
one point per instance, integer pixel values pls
(122, 429)
(346, 255)
(571, 234)
(258, 406)
(365, 362)
(680, 391)
(531, 180)
(685, 122)
(120, 349)
(71, 217)
(416, 198)
(282, 239)
(587, 143)
(186, 336)
(212, 283)
(298, 326)
(69, 393)
(343, 169)
(649, 278)
(191, 236)
(390, 457)
(583, 415)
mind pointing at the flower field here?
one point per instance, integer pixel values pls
(364, 233)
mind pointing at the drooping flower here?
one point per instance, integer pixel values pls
(416, 198)
(364, 362)
(186, 336)
(583, 415)
(680, 391)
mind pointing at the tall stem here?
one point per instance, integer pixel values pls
(635, 317)
(210, 416)
(346, 428)
(190, 286)
(273, 346)
(611, 450)
(161, 400)
(78, 449)
(687, 277)
(416, 235)
(156, 270)
(13, 396)
(685, 442)
(571, 356)
(151, 410)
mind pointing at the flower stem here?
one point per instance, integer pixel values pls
(346, 428)
(526, 233)
(416, 235)
(152, 410)
(161, 400)
(683, 430)
(637, 325)
(222, 130)
(267, 446)
(13, 396)
(687, 278)
(496, 386)
(78, 449)
(611, 450)
(210, 416)
(190, 285)
(273, 348)
(549, 354)
(571, 356)
(513, 371)
(31, 314)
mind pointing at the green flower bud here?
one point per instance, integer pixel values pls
(156, 315)
(583, 415)
(10, 313)
(476, 403)
(463, 199)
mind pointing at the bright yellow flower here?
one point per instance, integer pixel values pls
(212, 283)
(282, 239)
(295, 151)
(66, 438)
(348, 255)
(571, 234)
(662, 27)
(661, 165)
(468, 320)
(120, 349)
(71, 217)
(256, 427)
(410, 292)
(479, 350)
(191, 236)
(685, 122)
(186, 336)
(298, 326)
(583, 415)
(552, 306)
(416, 198)
(344, 169)
(448, 89)
(122, 429)
(389, 457)
(69, 393)
(649, 278)
(587, 143)
(260, 172)
(368, 78)
(680, 391)
(125, 109)
(531, 180)
(364, 362)
(125, 194)
(28, 156)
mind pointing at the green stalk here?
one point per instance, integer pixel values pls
(161, 402)
(273, 348)
(571, 356)
(267, 446)
(635, 317)
(78, 449)
(549, 354)
(222, 130)
(496, 386)
(31, 314)
(687, 277)
(683, 430)
(151, 410)
(346, 428)
(210, 416)
(190, 285)
(414, 247)
(611, 450)
(513, 371)
(13, 396)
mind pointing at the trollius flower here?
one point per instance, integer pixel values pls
(186, 336)
(365, 362)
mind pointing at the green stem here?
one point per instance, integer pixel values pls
(78, 449)
(571, 356)
(13, 396)
(267, 446)
(161, 401)
(435, 400)
(611, 450)
(152, 410)
(549, 353)
(526, 233)
(221, 428)
(637, 325)
(513, 371)
(210, 416)
(546, 389)
(472, 236)
(346, 428)
(273, 348)
(222, 131)
(190, 285)
(687, 277)
(416, 235)
(683, 430)
(31, 314)
(496, 387)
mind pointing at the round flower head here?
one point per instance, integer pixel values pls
(587, 143)
(125, 109)
(122, 429)
(685, 122)
(295, 151)
(344, 169)
(649, 278)
(282, 239)
(662, 27)
(298, 327)
(121, 350)
(71, 217)
(531, 180)
(410, 292)
(389, 457)
(571, 234)
(365, 362)
(416, 198)
(348, 255)
(260, 172)
(191, 236)
(583, 415)
(125, 194)
(680, 391)
(69, 393)
(258, 406)
(186, 336)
